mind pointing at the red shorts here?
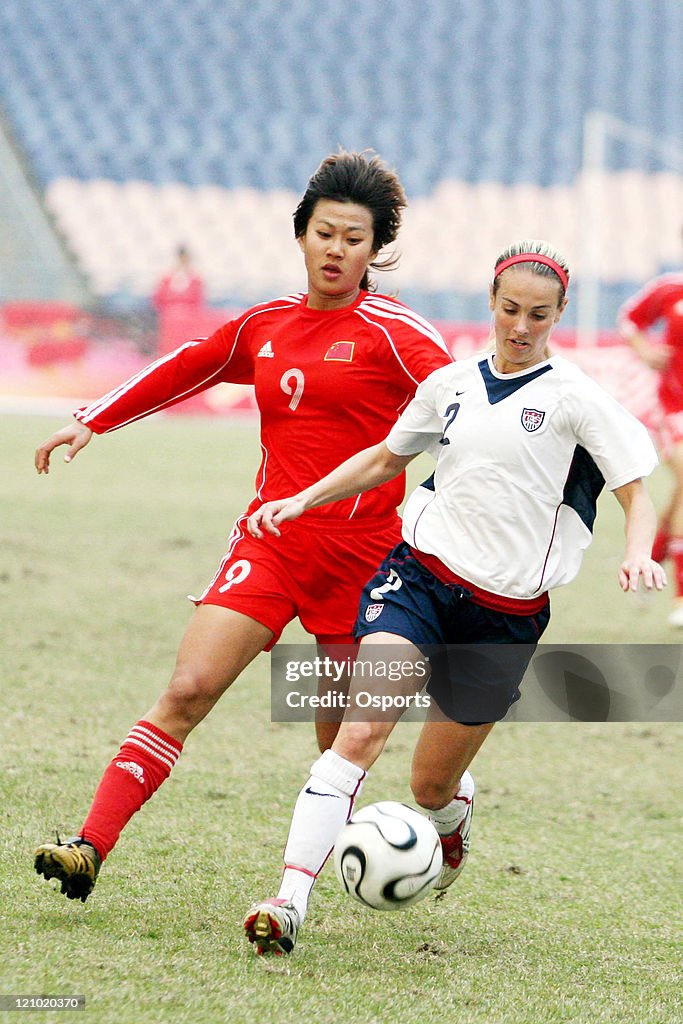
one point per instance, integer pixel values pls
(315, 571)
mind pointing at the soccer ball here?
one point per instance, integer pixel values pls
(388, 856)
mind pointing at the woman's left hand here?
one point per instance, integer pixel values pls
(633, 570)
(268, 517)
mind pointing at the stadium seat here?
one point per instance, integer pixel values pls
(482, 98)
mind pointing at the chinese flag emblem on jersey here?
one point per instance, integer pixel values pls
(340, 352)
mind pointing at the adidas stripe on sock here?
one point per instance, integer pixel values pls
(144, 761)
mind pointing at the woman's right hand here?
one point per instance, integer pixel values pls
(76, 435)
(269, 516)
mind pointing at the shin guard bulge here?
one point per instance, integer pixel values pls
(144, 761)
(323, 807)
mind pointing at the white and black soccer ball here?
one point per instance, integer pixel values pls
(388, 856)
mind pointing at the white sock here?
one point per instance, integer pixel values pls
(447, 818)
(323, 807)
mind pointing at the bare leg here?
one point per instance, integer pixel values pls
(675, 545)
(442, 753)
(675, 509)
(361, 737)
(328, 720)
(325, 731)
(327, 799)
(218, 644)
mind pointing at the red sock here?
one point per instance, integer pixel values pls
(676, 554)
(141, 765)
(660, 548)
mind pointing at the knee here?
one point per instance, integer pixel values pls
(360, 742)
(431, 792)
(188, 697)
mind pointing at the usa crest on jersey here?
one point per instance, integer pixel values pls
(532, 419)
(373, 611)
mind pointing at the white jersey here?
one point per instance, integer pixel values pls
(521, 460)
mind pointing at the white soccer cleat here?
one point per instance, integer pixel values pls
(455, 847)
(272, 926)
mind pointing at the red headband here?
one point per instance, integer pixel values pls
(534, 257)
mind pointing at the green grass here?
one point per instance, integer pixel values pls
(568, 909)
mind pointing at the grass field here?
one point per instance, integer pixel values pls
(570, 906)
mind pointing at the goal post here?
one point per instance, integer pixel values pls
(600, 130)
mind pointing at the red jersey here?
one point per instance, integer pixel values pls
(662, 299)
(328, 383)
(180, 287)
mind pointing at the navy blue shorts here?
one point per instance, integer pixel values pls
(478, 656)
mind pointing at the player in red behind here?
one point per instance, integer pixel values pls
(180, 287)
(333, 368)
(661, 301)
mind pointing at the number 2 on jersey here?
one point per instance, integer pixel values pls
(451, 412)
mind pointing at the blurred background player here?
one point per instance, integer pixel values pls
(332, 368)
(181, 286)
(526, 442)
(178, 300)
(660, 302)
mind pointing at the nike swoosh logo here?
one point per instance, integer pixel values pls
(459, 393)
(314, 792)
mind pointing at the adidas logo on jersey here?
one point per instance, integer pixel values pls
(266, 351)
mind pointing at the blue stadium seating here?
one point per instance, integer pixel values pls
(487, 86)
(251, 93)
